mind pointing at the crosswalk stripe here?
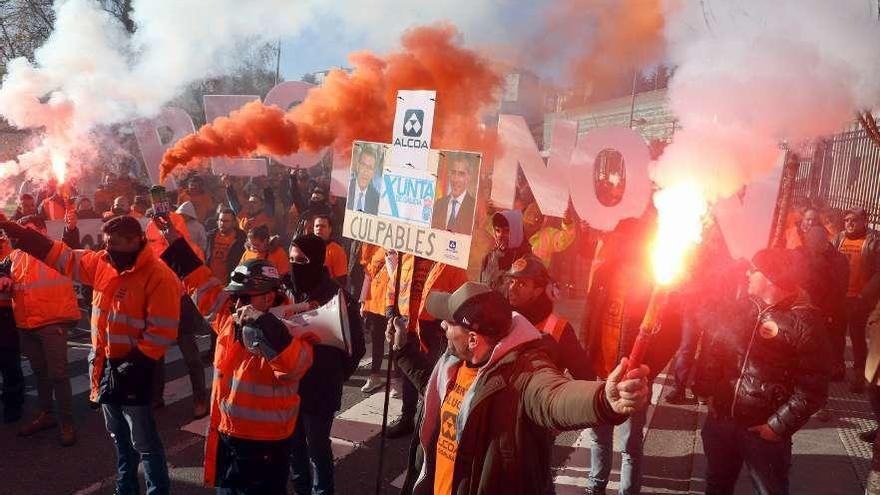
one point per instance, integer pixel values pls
(80, 383)
(361, 422)
(575, 469)
(352, 428)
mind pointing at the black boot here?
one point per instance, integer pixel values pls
(400, 427)
(676, 396)
(868, 436)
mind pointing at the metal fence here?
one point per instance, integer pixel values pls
(841, 171)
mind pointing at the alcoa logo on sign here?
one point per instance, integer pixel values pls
(413, 125)
(413, 122)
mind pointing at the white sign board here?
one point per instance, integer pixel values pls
(413, 124)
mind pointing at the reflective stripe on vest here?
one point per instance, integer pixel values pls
(553, 326)
(156, 339)
(116, 317)
(42, 281)
(158, 321)
(261, 390)
(122, 318)
(200, 292)
(64, 258)
(251, 414)
(218, 303)
(115, 338)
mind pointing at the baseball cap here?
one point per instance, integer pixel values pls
(857, 211)
(531, 267)
(475, 306)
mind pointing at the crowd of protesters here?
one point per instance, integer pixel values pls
(750, 338)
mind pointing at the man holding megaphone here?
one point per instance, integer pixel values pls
(258, 367)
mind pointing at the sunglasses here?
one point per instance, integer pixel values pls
(300, 259)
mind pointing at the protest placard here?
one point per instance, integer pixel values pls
(428, 213)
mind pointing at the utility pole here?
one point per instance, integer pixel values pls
(632, 103)
(278, 63)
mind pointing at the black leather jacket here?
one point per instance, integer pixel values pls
(766, 365)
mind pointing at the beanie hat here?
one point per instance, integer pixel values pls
(124, 225)
(783, 267)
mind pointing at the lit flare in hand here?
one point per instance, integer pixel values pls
(680, 212)
(59, 167)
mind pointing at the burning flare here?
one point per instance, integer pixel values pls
(680, 209)
(59, 167)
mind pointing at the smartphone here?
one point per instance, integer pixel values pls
(159, 199)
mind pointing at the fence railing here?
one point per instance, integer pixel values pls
(841, 171)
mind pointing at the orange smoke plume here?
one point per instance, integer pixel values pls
(360, 105)
(606, 41)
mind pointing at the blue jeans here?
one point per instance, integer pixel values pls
(311, 458)
(729, 445)
(134, 434)
(687, 351)
(631, 455)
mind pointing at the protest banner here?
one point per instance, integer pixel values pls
(408, 195)
(428, 213)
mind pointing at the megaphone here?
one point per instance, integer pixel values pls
(329, 322)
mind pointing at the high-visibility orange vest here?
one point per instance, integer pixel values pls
(159, 244)
(251, 397)
(5, 297)
(441, 278)
(553, 325)
(413, 274)
(373, 261)
(139, 307)
(53, 209)
(40, 295)
(278, 257)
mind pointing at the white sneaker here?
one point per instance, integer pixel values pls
(372, 384)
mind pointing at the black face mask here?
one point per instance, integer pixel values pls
(306, 276)
(124, 260)
(119, 211)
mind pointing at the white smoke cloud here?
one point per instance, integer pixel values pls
(751, 74)
(381, 22)
(91, 73)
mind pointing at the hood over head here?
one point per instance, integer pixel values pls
(188, 210)
(514, 220)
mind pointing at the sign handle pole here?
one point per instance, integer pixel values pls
(395, 312)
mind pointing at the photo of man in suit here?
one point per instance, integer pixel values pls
(362, 194)
(455, 211)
